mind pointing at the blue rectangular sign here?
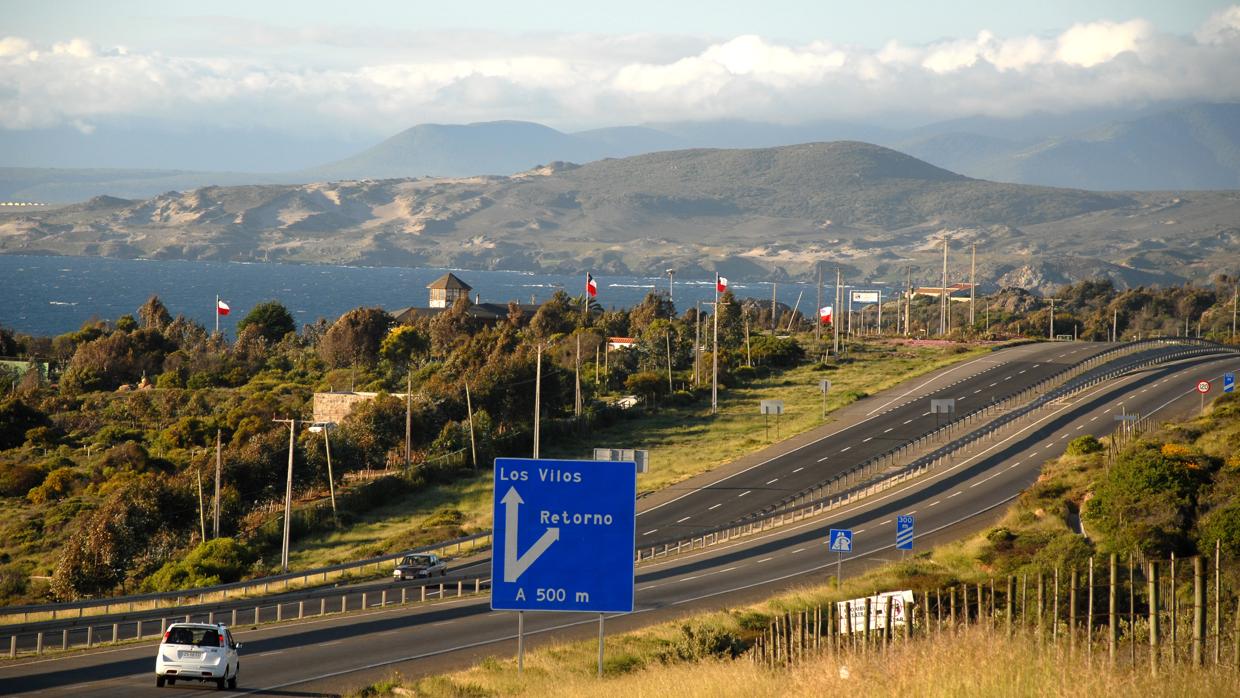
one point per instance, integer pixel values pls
(564, 535)
(904, 532)
(1229, 382)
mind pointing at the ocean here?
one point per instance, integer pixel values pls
(54, 295)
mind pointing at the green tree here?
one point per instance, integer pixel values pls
(404, 344)
(153, 314)
(355, 337)
(272, 320)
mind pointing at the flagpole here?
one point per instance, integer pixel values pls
(714, 356)
(217, 313)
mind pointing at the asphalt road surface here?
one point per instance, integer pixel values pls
(338, 653)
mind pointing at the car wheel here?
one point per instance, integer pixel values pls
(159, 682)
(232, 683)
(220, 684)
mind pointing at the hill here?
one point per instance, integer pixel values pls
(1192, 147)
(762, 213)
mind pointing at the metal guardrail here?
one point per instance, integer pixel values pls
(262, 585)
(807, 505)
(309, 604)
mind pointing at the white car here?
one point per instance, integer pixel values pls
(198, 652)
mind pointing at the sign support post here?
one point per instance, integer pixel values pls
(520, 641)
(600, 645)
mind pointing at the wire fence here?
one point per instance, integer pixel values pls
(1128, 611)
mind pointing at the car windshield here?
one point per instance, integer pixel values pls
(417, 560)
(201, 637)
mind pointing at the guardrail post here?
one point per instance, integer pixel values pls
(383, 599)
(441, 591)
(423, 593)
(279, 611)
(256, 615)
(403, 595)
(90, 639)
(38, 644)
(137, 633)
(187, 616)
(64, 639)
(12, 646)
(344, 602)
(478, 584)
(234, 617)
(301, 610)
(210, 617)
(363, 601)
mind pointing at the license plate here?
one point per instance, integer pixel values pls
(189, 654)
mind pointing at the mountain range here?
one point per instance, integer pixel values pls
(754, 213)
(1194, 146)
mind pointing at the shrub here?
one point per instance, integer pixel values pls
(216, 561)
(699, 641)
(1143, 501)
(17, 479)
(56, 485)
(1084, 445)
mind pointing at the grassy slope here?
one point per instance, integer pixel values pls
(683, 442)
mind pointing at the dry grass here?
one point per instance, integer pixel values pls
(974, 662)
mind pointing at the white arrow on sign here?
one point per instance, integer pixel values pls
(514, 565)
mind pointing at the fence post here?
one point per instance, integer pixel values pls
(1199, 612)
(1153, 599)
(1112, 624)
(1072, 581)
(1011, 591)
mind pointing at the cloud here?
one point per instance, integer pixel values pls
(579, 80)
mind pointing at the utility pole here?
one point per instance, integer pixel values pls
(835, 315)
(670, 273)
(288, 491)
(943, 296)
(469, 406)
(331, 480)
(908, 304)
(774, 320)
(1052, 330)
(714, 357)
(577, 380)
(1235, 293)
(668, 337)
(218, 467)
(697, 342)
(1115, 325)
(818, 308)
(408, 418)
(537, 397)
(972, 286)
(202, 515)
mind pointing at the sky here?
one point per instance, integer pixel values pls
(376, 68)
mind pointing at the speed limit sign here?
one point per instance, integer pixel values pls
(1203, 387)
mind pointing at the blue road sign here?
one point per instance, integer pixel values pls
(904, 532)
(841, 540)
(1229, 382)
(563, 535)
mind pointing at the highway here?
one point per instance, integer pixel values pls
(340, 652)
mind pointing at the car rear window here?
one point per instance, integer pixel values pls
(202, 637)
(417, 560)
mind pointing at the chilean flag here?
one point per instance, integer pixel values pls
(221, 308)
(721, 283)
(591, 285)
(824, 314)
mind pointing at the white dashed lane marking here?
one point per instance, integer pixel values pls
(684, 519)
(772, 481)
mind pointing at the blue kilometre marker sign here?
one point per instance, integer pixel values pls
(904, 532)
(563, 535)
(1229, 381)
